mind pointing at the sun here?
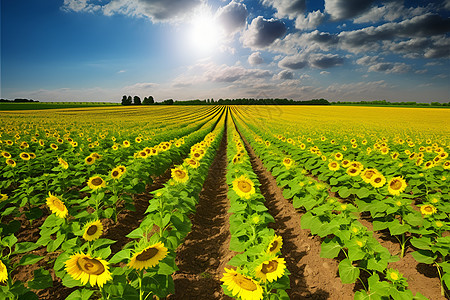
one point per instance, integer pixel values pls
(205, 33)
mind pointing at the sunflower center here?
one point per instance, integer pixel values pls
(394, 276)
(377, 180)
(97, 181)
(180, 173)
(244, 186)
(369, 174)
(147, 254)
(396, 184)
(269, 267)
(115, 173)
(90, 266)
(333, 165)
(273, 246)
(92, 230)
(245, 283)
(353, 170)
(428, 209)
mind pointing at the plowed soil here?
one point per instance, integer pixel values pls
(203, 255)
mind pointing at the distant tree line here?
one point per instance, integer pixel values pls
(384, 102)
(18, 100)
(251, 101)
(127, 100)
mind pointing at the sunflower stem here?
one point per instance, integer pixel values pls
(141, 293)
(440, 279)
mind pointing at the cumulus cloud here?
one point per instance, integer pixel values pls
(255, 59)
(224, 73)
(294, 62)
(377, 64)
(310, 21)
(390, 12)
(156, 10)
(287, 8)
(261, 32)
(233, 16)
(367, 38)
(346, 9)
(79, 6)
(325, 61)
(284, 75)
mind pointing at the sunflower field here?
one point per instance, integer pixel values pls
(321, 202)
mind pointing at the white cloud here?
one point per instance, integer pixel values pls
(287, 8)
(80, 6)
(255, 59)
(311, 21)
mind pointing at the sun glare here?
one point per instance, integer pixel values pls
(205, 33)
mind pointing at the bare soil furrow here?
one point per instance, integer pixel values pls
(204, 253)
(312, 277)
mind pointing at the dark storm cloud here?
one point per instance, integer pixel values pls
(261, 32)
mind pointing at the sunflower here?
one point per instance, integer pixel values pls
(116, 173)
(54, 146)
(429, 164)
(126, 144)
(56, 206)
(394, 155)
(287, 162)
(93, 230)
(3, 272)
(338, 156)
(333, 166)
(393, 275)
(24, 156)
(63, 163)
(96, 182)
(396, 185)
(192, 163)
(241, 286)
(271, 270)
(275, 245)
(149, 257)
(122, 169)
(377, 180)
(446, 165)
(11, 162)
(89, 160)
(3, 197)
(243, 187)
(87, 269)
(367, 174)
(353, 171)
(345, 163)
(428, 209)
(6, 154)
(180, 175)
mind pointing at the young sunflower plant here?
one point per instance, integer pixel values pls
(258, 272)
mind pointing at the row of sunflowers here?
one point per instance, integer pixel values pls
(367, 182)
(259, 272)
(73, 217)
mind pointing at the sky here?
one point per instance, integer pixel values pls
(340, 50)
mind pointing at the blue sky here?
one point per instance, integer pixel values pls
(348, 50)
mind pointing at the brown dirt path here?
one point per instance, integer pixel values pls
(203, 255)
(312, 277)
